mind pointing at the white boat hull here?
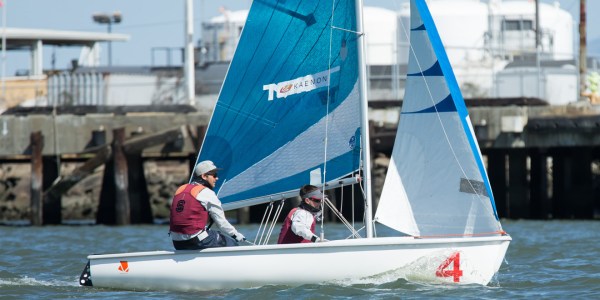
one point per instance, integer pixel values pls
(440, 260)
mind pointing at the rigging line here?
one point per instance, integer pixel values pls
(258, 233)
(353, 224)
(342, 198)
(348, 30)
(341, 217)
(359, 230)
(270, 208)
(362, 163)
(365, 203)
(275, 218)
(324, 178)
(412, 50)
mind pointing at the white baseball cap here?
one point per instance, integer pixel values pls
(204, 167)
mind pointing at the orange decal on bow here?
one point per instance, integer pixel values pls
(124, 267)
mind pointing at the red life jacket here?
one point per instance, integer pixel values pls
(188, 216)
(287, 236)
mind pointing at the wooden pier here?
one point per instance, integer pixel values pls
(543, 161)
(119, 138)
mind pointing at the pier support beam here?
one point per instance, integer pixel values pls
(581, 194)
(497, 173)
(52, 203)
(122, 205)
(114, 208)
(572, 183)
(44, 170)
(37, 204)
(518, 188)
(541, 206)
(560, 171)
(141, 211)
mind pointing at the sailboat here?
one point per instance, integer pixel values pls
(292, 110)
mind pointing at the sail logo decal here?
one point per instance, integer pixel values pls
(352, 142)
(286, 88)
(299, 85)
(124, 266)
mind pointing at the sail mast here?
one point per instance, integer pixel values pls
(365, 142)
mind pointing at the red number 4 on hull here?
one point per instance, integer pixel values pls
(456, 272)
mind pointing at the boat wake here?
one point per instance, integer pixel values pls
(29, 281)
(422, 271)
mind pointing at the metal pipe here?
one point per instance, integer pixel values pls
(582, 48)
(365, 139)
(189, 53)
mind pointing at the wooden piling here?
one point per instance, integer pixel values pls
(141, 211)
(560, 171)
(541, 205)
(114, 208)
(497, 174)
(573, 192)
(581, 183)
(596, 179)
(37, 144)
(122, 204)
(518, 187)
(52, 208)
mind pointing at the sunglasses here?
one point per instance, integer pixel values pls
(315, 200)
(215, 175)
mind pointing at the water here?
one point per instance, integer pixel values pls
(546, 259)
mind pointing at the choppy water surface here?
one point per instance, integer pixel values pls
(546, 259)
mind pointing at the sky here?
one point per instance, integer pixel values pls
(153, 24)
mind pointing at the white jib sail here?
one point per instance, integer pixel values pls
(436, 184)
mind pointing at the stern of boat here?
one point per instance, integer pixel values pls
(86, 277)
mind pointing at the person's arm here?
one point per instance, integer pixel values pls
(301, 222)
(209, 199)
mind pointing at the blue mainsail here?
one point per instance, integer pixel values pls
(289, 106)
(436, 182)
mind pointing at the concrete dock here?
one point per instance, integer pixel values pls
(543, 161)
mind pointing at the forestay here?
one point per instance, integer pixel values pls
(436, 183)
(288, 110)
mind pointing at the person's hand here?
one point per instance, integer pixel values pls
(316, 239)
(239, 237)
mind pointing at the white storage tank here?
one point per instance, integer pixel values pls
(221, 33)
(462, 25)
(380, 31)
